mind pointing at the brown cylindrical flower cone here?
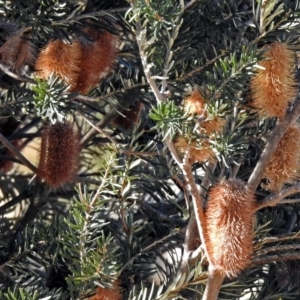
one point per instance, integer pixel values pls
(97, 59)
(113, 293)
(61, 59)
(284, 165)
(229, 226)
(273, 87)
(59, 158)
(197, 154)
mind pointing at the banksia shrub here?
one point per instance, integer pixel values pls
(229, 226)
(194, 104)
(59, 158)
(284, 165)
(273, 87)
(199, 154)
(61, 59)
(112, 293)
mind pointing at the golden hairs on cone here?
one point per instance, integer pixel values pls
(273, 87)
(59, 156)
(82, 64)
(229, 227)
(284, 165)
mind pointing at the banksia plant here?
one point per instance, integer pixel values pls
(229, 226)
(197, 153)
(195, 104)
(284, 165)
(59, 158)
(273, 87)
(63, 60)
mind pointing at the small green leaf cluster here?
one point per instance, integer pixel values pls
(51, 99)
(168, 117)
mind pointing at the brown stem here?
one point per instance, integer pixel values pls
(273, 199)
(17, 153)
(213, 286)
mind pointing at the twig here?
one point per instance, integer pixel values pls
(100, 130)
(6, 70)
(189, 4)
(277, 248)
(17, 153)
(274, 258)
(273, 199)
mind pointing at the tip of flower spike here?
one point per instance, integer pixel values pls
(194, 103)
(112, 293)
(61, 59)
(229, 226)
(273, 86)
(59, 158)
(97, 59)
(284, 165)
(197, 154)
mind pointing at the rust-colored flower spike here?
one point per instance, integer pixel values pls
(229, 227)
(273, 87)
(61, 59)
(59, 158)
(284, 165)
(113, 293)
(197, 154)
(194, 104)
(97, 59)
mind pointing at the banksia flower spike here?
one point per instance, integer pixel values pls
(61, 59)
(97, 59)
(229, 227)
(197, 154)
(194, 104)
(59, 156)
(113, 293)
(284, 165)
(273, 87)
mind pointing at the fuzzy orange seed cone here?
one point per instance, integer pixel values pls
(113, 293)
(284, 165)
(229, 226)
(59, 158)
(197, 154)
(273, 87)
(97, 59)
(61, 59)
